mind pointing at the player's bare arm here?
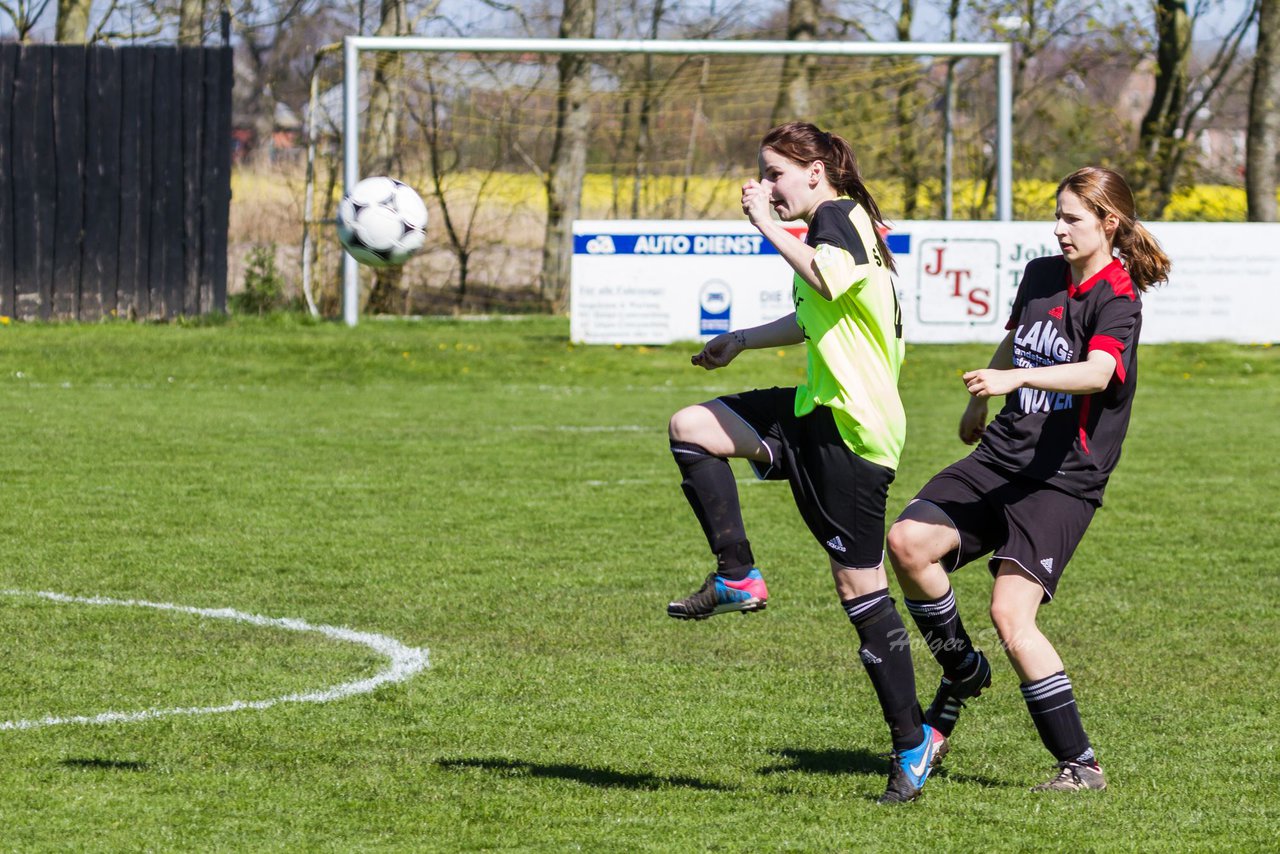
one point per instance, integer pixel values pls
(973, 423)
(723, 349)
(757, 204)
(1087, 377)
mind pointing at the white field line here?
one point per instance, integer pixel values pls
(585, 428)
(404, 662)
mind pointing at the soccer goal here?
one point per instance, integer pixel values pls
(673, 132)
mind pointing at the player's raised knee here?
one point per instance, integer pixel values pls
(908, 545)
(688, 424)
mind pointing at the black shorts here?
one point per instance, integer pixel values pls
(840, 495)
(1016, 519)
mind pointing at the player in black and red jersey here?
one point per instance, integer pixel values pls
(1068, 369)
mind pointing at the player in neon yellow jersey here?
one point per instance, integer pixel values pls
(836, 439)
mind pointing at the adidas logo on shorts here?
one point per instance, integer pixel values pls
(1047, 563)
(834, 543)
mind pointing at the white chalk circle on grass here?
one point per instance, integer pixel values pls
(403, 662)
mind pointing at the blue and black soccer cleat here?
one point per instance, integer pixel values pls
(911, 768)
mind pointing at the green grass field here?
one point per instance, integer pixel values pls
(489, 492)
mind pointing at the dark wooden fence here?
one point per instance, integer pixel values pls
(115, 181)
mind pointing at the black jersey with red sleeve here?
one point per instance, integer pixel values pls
(1068, 441)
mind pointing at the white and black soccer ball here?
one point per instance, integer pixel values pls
(382, 222)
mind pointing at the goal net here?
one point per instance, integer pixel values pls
(673, 132)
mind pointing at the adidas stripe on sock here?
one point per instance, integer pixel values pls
(886, 655)
(940, 625)
(1052, 705)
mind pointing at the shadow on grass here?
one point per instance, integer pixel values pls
(793, 759)
(602, 778)
(99, 764)
(796, 760)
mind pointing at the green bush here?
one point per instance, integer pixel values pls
(263, 286)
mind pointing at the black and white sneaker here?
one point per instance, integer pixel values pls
(969, 681)
(1075, 776)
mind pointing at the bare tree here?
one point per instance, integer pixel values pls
(383, 133)
(73, 21)
(1158, 137)
(24, 15)
(948, 113)
(1056, 44)
(191, 22)
(1264, 117)
(128, 21)
(1180, 103)
(793, 101)
(461, 167)
(907, 107)
(568, 154)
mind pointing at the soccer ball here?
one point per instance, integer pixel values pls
(382, 222)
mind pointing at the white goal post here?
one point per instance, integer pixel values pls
(1002, 52)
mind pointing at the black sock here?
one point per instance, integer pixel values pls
(886, 655)
(940, 625)
(1053, 709)
(713, 494)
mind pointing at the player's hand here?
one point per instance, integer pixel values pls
(718, 352)
(757, 201)
(974, 421)
(989, 382)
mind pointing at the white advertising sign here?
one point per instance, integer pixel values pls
(654, 282)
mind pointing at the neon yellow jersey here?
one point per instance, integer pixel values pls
(854, 341)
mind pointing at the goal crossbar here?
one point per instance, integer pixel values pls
(1001, 52)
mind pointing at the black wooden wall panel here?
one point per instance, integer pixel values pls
(193, 171)
(218, 185)
(135, 183)
(9, 53)
(114, 180)
(102, 190)
(166, 186)
(68, 107)
(33, 201)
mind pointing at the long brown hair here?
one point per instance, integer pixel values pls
(1107, 192)
(804, 143)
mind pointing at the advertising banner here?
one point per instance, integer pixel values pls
(654, 282)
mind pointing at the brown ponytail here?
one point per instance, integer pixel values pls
(804, 143)
(1106, 192)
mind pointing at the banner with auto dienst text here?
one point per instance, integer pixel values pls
(658, 281)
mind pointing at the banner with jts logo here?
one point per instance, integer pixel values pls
(654, 282)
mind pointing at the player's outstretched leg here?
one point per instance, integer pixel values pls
(1053, 709)
(916, 543)
(1045, 686)
(721, 595)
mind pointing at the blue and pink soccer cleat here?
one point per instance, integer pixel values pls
(720, 596)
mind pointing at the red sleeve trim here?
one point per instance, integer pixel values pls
(1114, 346)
